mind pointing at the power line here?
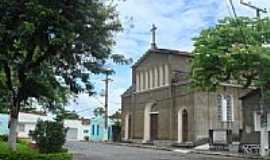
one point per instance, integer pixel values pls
(258, 10)
(233, 9)
(228, 8)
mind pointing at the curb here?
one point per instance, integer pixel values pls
(191, 151)
(142, 146)
(227, 155)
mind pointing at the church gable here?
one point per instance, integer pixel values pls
(153, 69)
(150, 59)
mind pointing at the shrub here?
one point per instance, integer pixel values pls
(4, 138)
(49, 136)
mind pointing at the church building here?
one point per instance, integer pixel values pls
(161, 107)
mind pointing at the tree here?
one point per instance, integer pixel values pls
(233, 52)
(49, 50)
(62, 114)
(116, 116)
(99, 111)
(49, 136)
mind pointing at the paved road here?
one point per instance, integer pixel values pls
(90, 151)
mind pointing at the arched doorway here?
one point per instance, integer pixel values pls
(127, 126)
(182, 125)
(150, 123)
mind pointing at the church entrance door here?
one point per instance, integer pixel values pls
(154, 126)
(185, 125)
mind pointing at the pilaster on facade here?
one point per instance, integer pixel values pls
(161, 75)
(151, 79)
(146, 80)
(156, 77)
(141, 81)
(137, 81)
(166, 70)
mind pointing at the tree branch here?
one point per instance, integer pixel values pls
(8, 76)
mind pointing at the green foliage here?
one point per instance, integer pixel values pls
(23, 152)
(22, 148)
(16, 156)
(99, 111)
(49, 136)
(62, 114)
(3, 138)
(49, 49)
(116, 117)
(232, 52)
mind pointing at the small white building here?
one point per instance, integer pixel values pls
(28, 121)
(78, 130)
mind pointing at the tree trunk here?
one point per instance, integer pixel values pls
(13, 122)
(12, 133)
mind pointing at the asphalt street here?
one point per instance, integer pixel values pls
(98, 151)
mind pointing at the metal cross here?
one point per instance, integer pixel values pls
(153, 30)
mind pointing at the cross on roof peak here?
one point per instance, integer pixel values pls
(153, 30)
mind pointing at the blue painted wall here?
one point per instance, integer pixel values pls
(4, 124)
(97, 129)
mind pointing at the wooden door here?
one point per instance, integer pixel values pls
(185, 125)
(154, 126)
(129, 126)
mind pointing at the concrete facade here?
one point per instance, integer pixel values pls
(27, 122)
(77, 130)
(98, 133)
(254, 135)
(170, 97)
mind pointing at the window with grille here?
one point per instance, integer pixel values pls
(229, 108)
(224, 108)
(219, 107)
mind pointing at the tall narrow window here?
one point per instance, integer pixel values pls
(97, 130)
(93, 129)
(229, 108)
(219, 107)
(224, 108)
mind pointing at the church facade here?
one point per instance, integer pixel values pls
(161, 106)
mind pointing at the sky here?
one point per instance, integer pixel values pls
(178, 21)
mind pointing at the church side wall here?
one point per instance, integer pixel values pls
(202, 115)
(184, 100)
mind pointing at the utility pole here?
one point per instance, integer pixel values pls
(258, 10)
(264, 135)
(106, 80)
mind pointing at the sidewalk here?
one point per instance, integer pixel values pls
(190, 151)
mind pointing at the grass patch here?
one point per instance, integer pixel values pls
(23, 152)
(21, 148)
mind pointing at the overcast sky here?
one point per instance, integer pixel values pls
(178, 21)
